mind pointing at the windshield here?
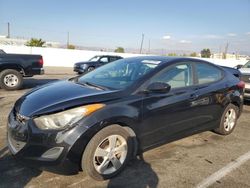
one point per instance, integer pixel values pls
(96, 58)
(247, 65)
(119, 74)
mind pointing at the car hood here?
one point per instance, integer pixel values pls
(60, 95)
(245, 70)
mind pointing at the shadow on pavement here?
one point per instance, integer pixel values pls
(67, 168)
(247, 102)
(31, 82)
(141, 175)
(12, 173)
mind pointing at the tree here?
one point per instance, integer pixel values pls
(35, 42)
(172, 54)
(71, 46)
(194, 54)
(206, 53)
(119, 50)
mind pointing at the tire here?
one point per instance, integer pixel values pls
(228, 124)
(11, 79)
(90, 69)
(92, 160)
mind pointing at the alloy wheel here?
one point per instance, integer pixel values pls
(230, 119)
(110, 154)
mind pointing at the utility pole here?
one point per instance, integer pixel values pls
(68, 40)
(141, 43)
(8, 28)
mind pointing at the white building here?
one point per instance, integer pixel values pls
(4, 40)
(229, 56)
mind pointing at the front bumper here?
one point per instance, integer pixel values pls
(80, 69)
(38, 147)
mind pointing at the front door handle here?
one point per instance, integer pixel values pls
(193, 96)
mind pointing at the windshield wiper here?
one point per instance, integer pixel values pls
(96, 86)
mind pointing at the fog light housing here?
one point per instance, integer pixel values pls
(53, 153)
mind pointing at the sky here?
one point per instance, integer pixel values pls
(168, 24)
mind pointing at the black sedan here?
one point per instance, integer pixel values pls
(102, 119)
(94, 62)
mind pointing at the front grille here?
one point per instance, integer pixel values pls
(21, 119)
(77, 66)
(245, 78)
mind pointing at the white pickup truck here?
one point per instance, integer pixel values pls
(245, 71)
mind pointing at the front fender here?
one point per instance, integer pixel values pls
(123, 115)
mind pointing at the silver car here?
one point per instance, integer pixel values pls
(245, 70)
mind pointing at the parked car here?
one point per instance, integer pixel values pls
(2, 52)
(245, 71)
(94, 62)
(13, 67)
(105, 117)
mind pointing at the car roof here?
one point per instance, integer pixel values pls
(164, 59)
(107, 56)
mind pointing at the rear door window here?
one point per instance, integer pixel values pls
(207, 73)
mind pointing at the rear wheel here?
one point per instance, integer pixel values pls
(11, 79)
(228, 120)
(107, 153)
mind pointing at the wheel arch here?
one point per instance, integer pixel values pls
(237, 101)
(77, 150)
(12, 67)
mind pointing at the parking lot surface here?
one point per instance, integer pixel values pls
(183, 163)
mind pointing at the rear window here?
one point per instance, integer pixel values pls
(113, 58)
(207, 73)
(247, 65)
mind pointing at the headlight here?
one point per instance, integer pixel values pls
(83, 66)
(62, 119)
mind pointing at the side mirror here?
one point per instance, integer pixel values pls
(239, 66)
(159, 87)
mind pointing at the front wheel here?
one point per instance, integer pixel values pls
(107, 153)
(11, 79)
(228, 120)
(90, 69)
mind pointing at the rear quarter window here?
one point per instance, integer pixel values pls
(207, 73)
